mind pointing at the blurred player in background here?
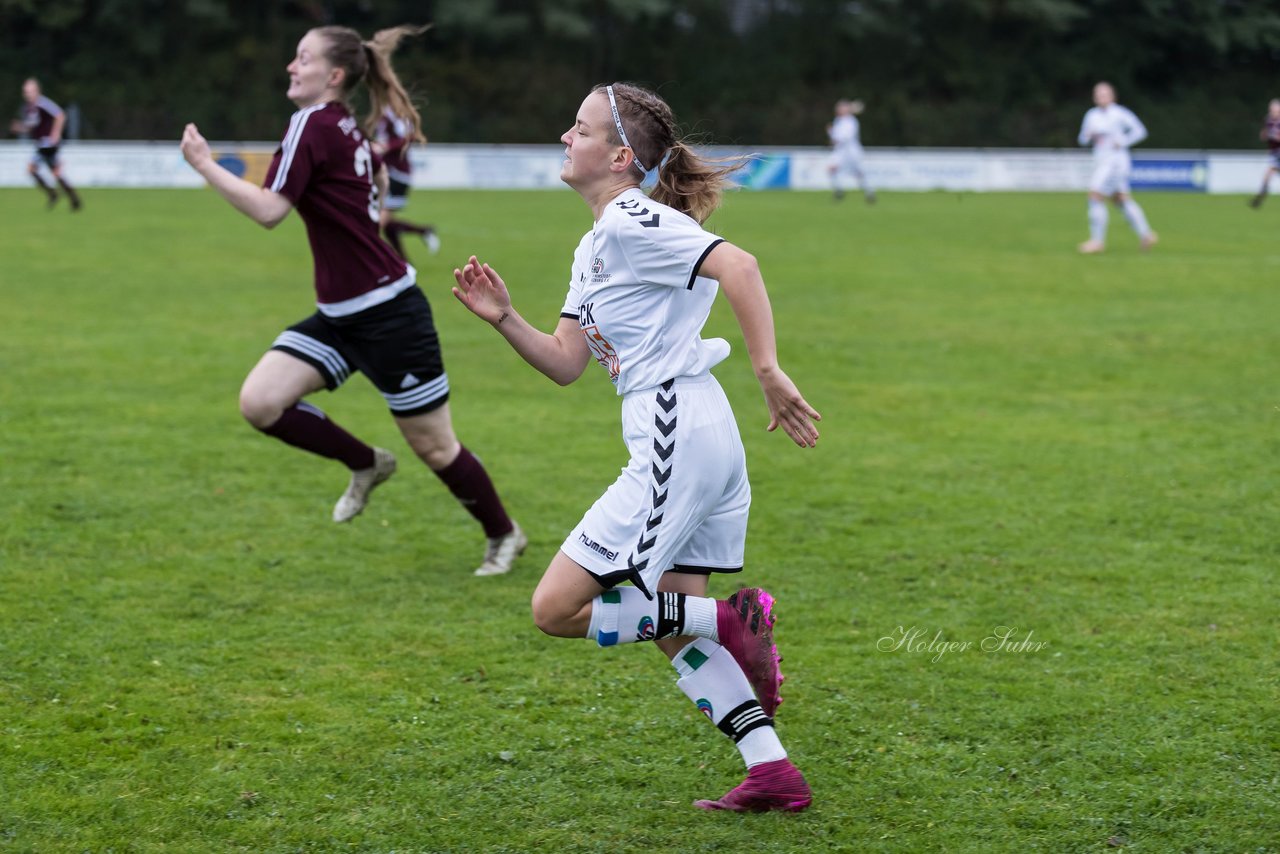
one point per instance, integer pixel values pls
(1112, 129)
(1270, 134)
(371, 316)
(391, 136)
(846, 149)
(42, 121)
(642, 285)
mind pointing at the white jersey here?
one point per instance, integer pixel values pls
(1111, 130)
(637, 297)
(845, 135)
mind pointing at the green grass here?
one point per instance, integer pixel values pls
(193, 658)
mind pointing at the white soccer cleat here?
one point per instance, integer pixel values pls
(1148, 240)
(432, 240)
(502, 552)
(362, 483)
(1091, 247)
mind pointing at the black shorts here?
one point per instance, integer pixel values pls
(393, 344)
(397, 195)
(49, 155)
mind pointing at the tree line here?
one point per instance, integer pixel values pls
(989, 73)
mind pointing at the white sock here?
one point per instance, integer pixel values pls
(625, 615)
(1097, 220)
(717, 686)
(1136, 218)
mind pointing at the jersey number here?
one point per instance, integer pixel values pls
(364, 168)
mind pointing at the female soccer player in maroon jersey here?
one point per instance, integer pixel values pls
(1270, 134)
(392, 135)
(42, 120)
(371, 316)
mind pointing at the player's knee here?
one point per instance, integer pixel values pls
(548, 615)
(436, 448)
(259, 410)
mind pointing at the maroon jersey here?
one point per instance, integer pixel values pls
(38, 119)
(325, 167)
(1271, 133)
(392, 132)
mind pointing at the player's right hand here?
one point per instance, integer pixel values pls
(195, 148)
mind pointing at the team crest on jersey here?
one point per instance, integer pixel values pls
(704, 706)
(598, 275)
(646, 630)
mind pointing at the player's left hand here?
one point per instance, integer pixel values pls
(481, 289)
(788, 409)
(195, 148)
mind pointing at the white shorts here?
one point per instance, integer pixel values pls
(683, 499)
(846, 160)
(1110, 177)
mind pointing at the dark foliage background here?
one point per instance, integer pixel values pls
(758, 72)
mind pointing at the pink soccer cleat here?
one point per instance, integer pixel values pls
(776, 785)
(744, 623)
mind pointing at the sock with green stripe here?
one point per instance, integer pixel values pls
(625, 615)
(717, 686)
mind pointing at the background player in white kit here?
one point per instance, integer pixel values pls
(1111, 129)
(370, 314)
(846, 149)
(643, 282)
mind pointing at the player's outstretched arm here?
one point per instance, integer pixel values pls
(740, 279)
(562, 355)
(258, 203)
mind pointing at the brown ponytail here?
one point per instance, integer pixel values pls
(687, 182)
(370, 61)
(385, 89)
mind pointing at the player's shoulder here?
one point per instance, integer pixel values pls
(48, 105)
(634, 213)
(316, 117)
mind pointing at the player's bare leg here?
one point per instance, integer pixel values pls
(1256, 201)
(271, 400)
(72, 195)
(51, 195)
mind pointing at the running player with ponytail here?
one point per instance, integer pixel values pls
(643, 282)
(371, 316)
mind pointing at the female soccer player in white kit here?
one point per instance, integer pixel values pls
(1111, 129)
(846, 149)
(643, 282)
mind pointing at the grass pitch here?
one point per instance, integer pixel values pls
(1082, 450)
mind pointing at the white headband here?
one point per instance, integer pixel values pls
(617, 122)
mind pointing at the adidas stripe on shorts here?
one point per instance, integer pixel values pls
(393, 343)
